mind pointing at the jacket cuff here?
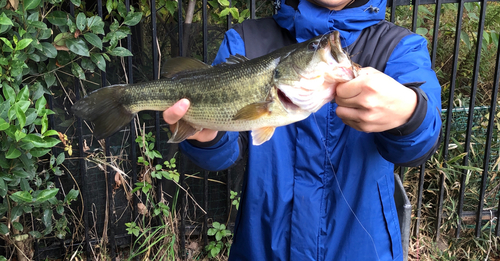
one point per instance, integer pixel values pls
(208, 143)
(418, 115)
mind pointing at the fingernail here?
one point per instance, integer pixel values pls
(184, 104)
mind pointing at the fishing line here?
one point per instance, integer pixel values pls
(340, 189)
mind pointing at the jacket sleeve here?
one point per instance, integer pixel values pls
(227, 150)
(410, 65)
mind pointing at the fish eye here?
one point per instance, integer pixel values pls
(313, 46)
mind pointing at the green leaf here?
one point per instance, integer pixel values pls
(39, 142)
(132, 18)
(49, 50)
(7, 42)
(19, 135)
(45, 123)
(422, 31)
(87, 64)
(60, 158)
(4, 230)
(50, 133)
(120, 51)
(23, 105)
(224, 12)
(22, 196)
(3, 188)
(60, 39)
(72, 195)
(98, 60)
(121, 8)
(57, 18)
(109, 5)
(40, 105)
(234, 12)
(4, 20)
(47, 217)
(31, 4)
(35, 234)
(224, 2)
(94, 40)
(50, 79)
(23, 95)
(76, 2)
(95, 24)
(77, 71)
(81, 21)
(78, 46)
(16, 212)
(38, 152)
(13, 152)
(23, 44)
(46, 195)
(21, 117)
(9, 93)
(3, 124)
(17, 226)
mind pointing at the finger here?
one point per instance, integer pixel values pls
(348, 114)
(348, 90)
(204, 135)
(176, 112)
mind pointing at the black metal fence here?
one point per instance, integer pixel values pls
(469, 129)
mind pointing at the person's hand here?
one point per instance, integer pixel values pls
(374, 102)
(177, 111)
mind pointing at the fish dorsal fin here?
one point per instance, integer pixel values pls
(173, 66)
(182, 131)
(235, 59)
(262, 135)
(253, 111)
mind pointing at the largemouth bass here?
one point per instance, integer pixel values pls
(256, 95)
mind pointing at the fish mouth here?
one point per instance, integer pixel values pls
(287, 102)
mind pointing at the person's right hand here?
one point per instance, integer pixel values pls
(177, 111)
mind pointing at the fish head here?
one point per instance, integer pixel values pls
(307, 75)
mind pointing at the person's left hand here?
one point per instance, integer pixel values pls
(374, 102)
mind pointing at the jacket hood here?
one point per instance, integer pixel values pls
(310, 20)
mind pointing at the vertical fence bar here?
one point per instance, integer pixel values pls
(205, 206)
(470, 119)
(133, 134)
(489, 132)
(154, 36)
(111, 223)
(205, 173)
(111, 204)
(228, 195)
(205, 31)
(393, 11)
(449, 115)
(435, 33)
(484, 177)
(419, 199)
(252, 9)
(82, 162)
(229, 17)
(416, 3)
(182, 178)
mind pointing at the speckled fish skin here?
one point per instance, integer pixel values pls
(240, 96)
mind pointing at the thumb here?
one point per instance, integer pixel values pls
(176, 112)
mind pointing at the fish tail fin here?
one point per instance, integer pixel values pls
(105, 108)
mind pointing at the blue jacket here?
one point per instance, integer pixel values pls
(320, 190)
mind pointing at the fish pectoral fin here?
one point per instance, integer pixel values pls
(262, 135)
(173, 66)
(253, 111)
(182, 131)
